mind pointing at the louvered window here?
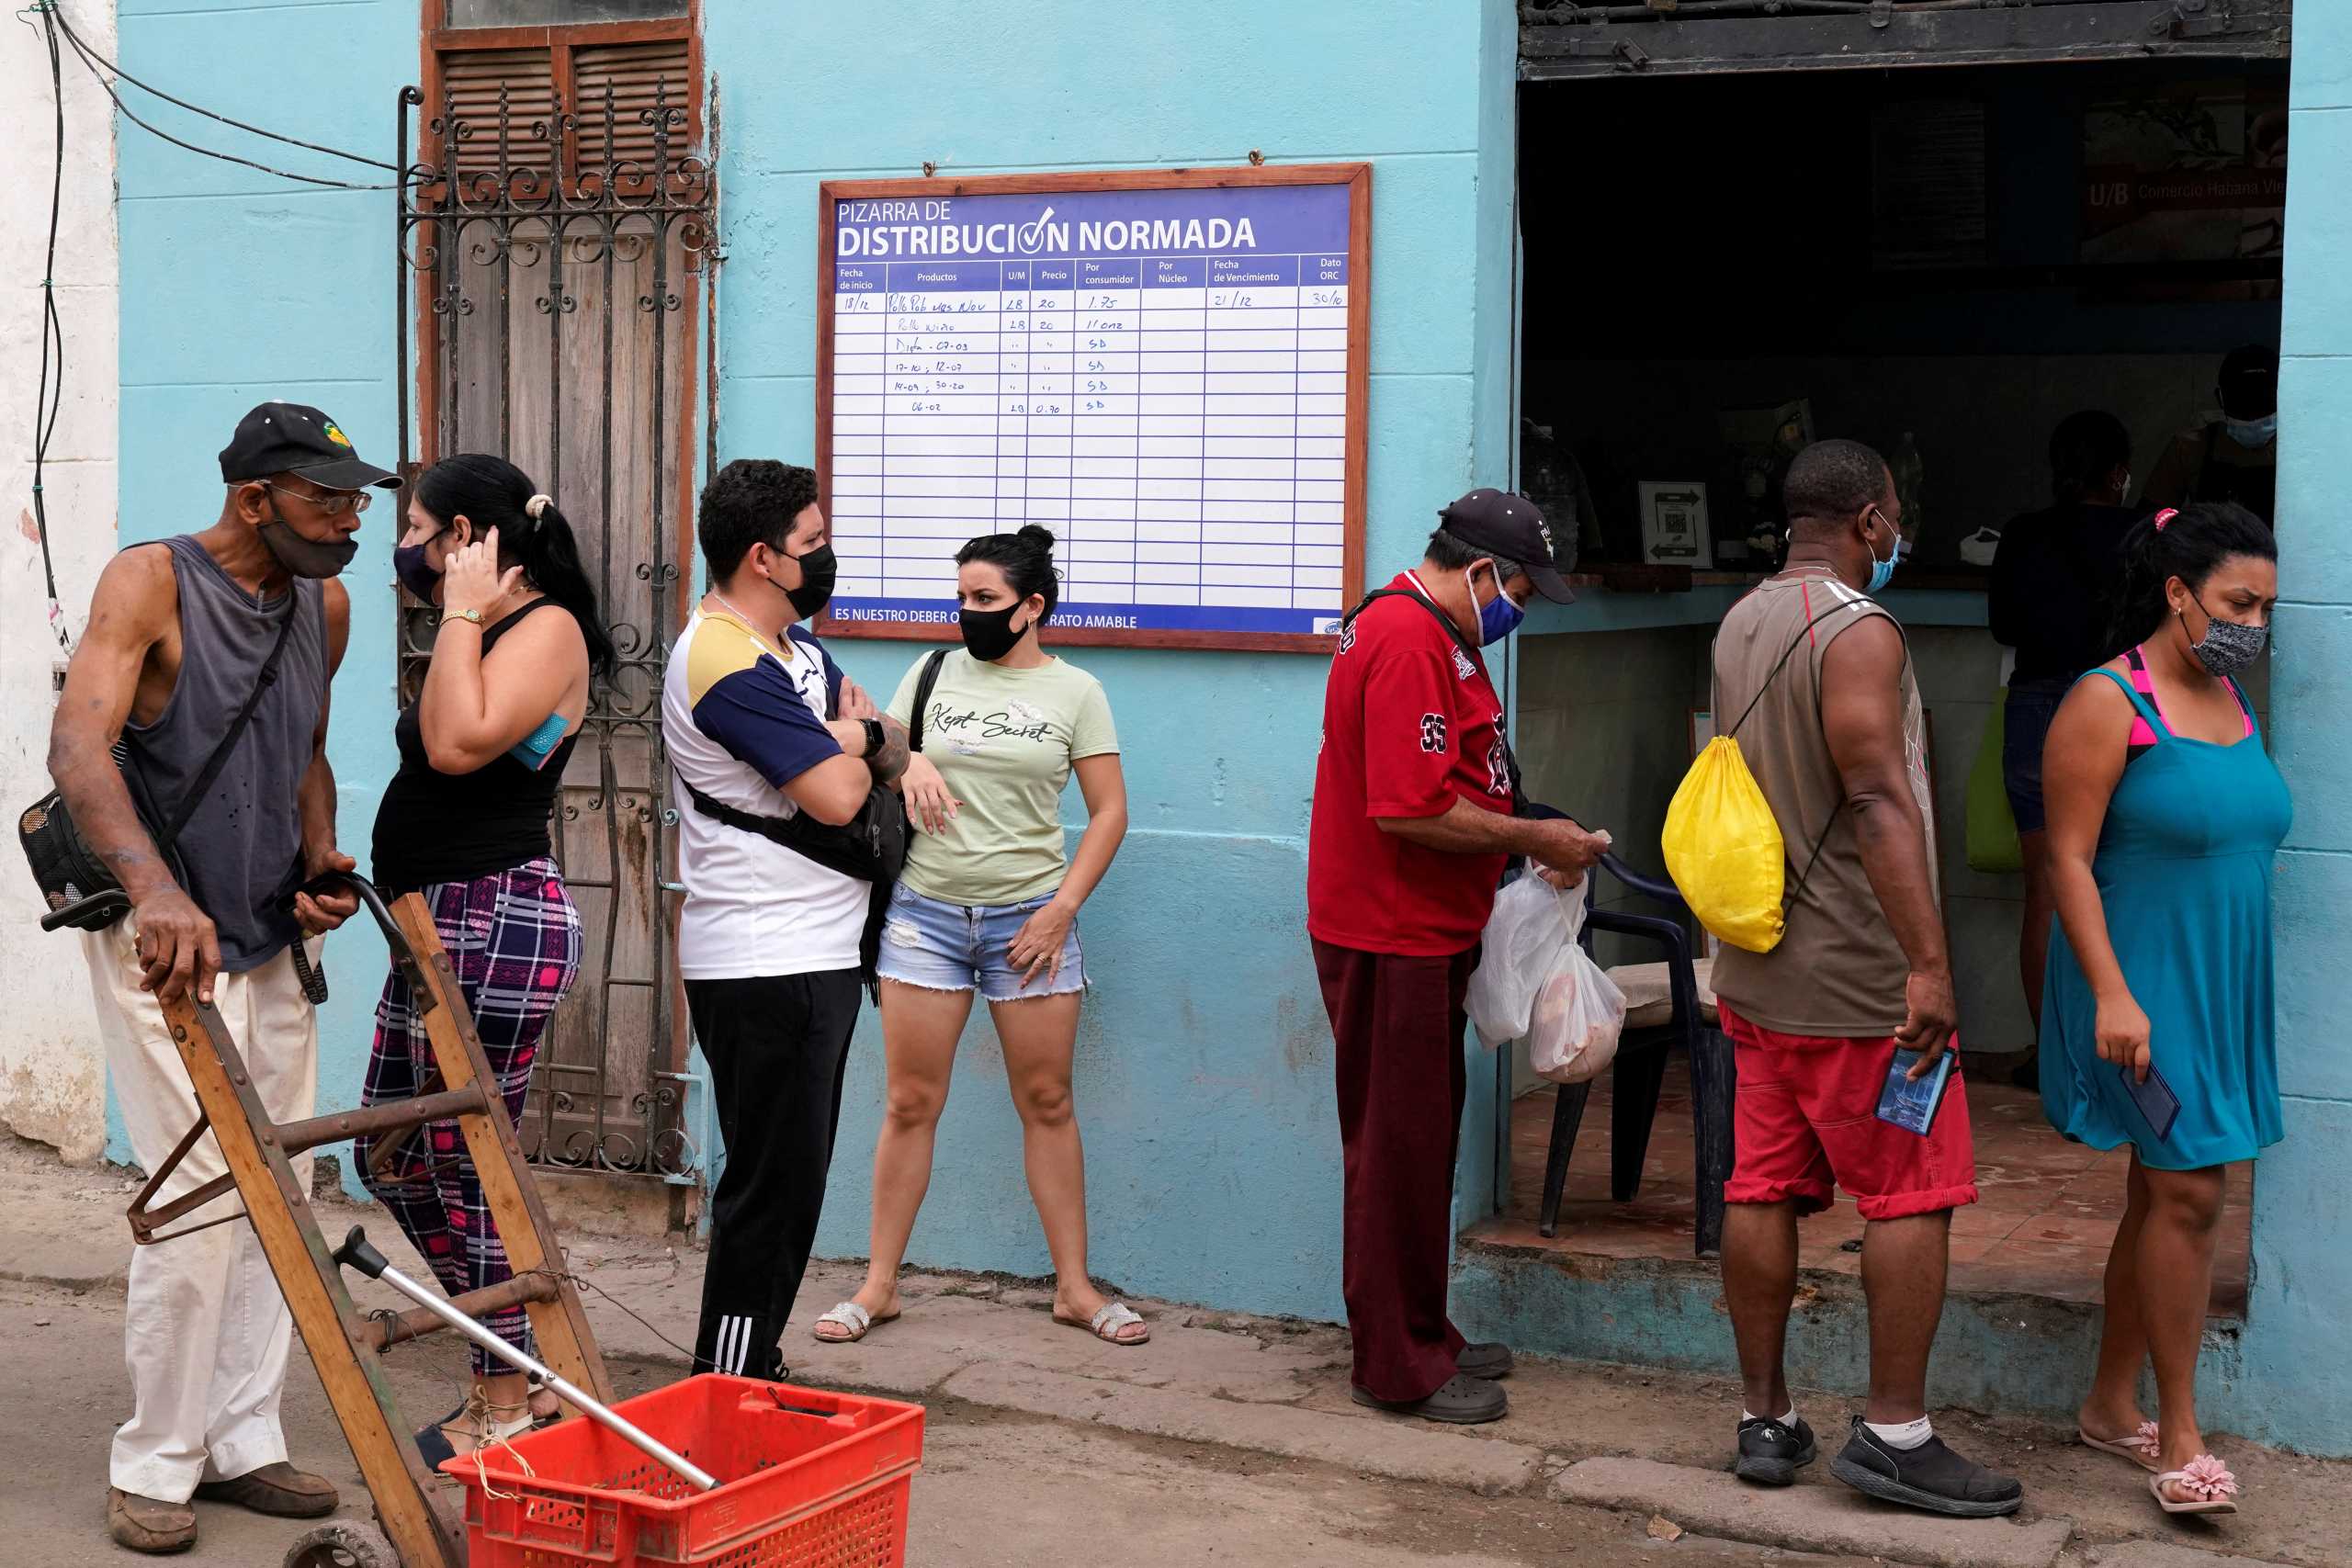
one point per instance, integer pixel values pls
(499, 100)
(582, 65)
(636, 78)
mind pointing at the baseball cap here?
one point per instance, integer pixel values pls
(1512, 527)
(292, 438)
(2250, 381)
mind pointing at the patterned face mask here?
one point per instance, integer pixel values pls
(2228, 648)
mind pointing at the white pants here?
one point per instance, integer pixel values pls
(207, 1330)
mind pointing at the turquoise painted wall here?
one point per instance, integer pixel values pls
(2295, 1389)
(1204, 1062)
(1203, 1071)
(238, 287)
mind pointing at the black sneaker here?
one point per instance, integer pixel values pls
(1770, 1453)
(1460, 1401)
(1930, 1477)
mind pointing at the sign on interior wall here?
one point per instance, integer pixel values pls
(2197, 172)
(1166, 369)
(1928, 185)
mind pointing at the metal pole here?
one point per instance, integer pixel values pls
(358, 1253)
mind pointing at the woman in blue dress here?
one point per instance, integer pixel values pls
(2165, 814)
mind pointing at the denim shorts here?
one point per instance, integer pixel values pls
(953, 947)
(2025, 725)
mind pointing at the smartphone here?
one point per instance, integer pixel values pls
(2156, 1100)
(1911, 1103)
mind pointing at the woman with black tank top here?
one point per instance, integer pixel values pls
(465, 822)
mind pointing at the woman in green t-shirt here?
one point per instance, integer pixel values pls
(989, 903)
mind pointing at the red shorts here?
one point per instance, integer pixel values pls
(1806, 1123)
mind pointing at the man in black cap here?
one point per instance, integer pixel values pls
(1417, 813)
(2235, 458)
(182, 633)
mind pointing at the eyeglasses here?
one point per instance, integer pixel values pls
(334, 504)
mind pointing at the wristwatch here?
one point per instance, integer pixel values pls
(875, 737)
(473, 615)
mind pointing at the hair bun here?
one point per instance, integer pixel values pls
(1031, 534)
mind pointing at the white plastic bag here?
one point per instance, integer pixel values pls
(1578, 1011)
(1530, 924)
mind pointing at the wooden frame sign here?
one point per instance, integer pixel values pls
(1166, 369)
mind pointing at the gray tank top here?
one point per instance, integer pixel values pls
(242, 850)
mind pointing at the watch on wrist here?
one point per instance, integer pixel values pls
(875, 737)
(473, 615)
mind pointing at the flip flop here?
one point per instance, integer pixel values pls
(2211, 1488)
(2140, 1447)
(849, 1315)
(1107, 1323)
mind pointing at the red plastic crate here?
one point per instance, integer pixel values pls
(807, 1479)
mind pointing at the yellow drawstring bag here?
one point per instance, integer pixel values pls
(1723, 849)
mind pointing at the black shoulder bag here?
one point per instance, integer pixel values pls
(80, 889)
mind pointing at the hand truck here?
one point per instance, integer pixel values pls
(419, 1528)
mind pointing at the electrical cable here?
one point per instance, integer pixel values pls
(49, 396)
(98, 74)
(88, 54)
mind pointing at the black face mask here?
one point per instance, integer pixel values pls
(988, 634)
(818, 570)
(305, 556)
(416, 573)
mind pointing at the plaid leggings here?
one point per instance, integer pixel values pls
(513, 939)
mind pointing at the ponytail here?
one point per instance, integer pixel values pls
(490, 492)
(2188, 543)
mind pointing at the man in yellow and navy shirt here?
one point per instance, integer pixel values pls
(757, 717)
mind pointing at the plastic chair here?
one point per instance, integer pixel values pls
(1639, 1071)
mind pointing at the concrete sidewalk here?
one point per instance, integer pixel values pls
(1608, 1437)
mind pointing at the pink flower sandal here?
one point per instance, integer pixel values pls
(2140, 1447)
(2211, 1488)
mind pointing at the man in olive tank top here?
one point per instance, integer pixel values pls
(179, 634)
(1815, 677)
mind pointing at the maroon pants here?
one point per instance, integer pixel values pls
(1399, 1024)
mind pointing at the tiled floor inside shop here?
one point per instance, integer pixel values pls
(2046, 1212)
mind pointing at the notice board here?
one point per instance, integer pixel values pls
(1165, 367)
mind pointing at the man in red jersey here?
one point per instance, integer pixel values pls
(1414, 818)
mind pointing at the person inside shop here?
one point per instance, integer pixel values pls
(2235, 458)
(184, 635)
(762, 725)
(1834, 732)
(989, 903)
(464, 822)
(1412, 825)
(2165, 818)
(2056, 580)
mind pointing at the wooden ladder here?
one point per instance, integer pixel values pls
(346, 1347)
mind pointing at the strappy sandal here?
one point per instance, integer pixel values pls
(1111, 1317)
(2211, 1488)
(849, 1315)
(486, 1423)
(2141, 1447)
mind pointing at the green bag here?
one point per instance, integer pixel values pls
(1992, 826)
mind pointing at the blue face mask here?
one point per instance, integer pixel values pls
(2252, 432)
(1882, 571)
(1497, 618)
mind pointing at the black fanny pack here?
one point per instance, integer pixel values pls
(81, 889)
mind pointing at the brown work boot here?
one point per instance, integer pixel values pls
(143, 1524)
(279, 1489)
